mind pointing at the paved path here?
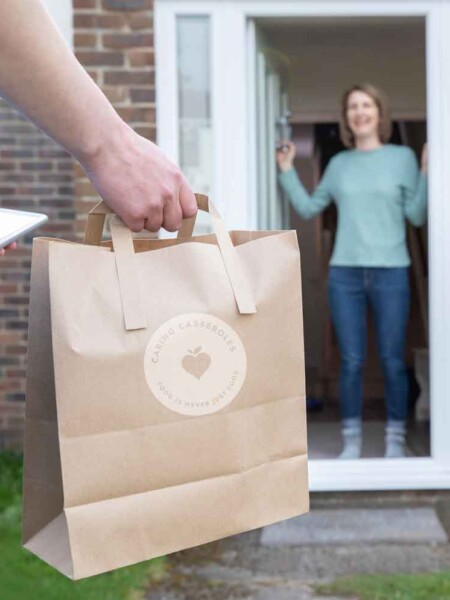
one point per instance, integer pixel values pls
(282, 563)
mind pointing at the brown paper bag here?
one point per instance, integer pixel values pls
(166, 396)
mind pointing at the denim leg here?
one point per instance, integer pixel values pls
(348, 306)
(389, 299)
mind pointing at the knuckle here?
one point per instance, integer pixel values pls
(189, 213)
(168, 193)
(190, 210)
(153, 226)
(172, 224)
(154, 221)
(136, 213)
(175, 174)
(154, 207)
(134, 224)
(171, 228)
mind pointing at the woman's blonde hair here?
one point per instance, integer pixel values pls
(380, 99)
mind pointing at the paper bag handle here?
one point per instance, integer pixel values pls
(188, 225)
(122, 239)
(127, 274)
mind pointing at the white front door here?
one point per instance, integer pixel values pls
(271, 126)
(238, 165)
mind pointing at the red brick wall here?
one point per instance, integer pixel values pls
(114, 41)
(35, 174)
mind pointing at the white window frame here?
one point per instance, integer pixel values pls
(234, 179)
(62, 13)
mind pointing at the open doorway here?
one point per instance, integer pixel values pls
(302, 67)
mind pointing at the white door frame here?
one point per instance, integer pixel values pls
(234, 173)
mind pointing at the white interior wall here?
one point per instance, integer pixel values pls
(328, 55)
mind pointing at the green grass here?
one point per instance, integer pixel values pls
(432, 586)
(24, 577)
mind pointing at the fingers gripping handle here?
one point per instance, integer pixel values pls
(97, 216)
(122, 239)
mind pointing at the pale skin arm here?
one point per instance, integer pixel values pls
(285, 157)
(40, 76)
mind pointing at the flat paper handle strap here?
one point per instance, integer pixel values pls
(127, 274)
(234, 269)
(235, 272)
(233, 266)
(96, 223)
(187, 227)
(130, 291)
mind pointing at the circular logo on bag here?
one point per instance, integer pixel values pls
(195, 364)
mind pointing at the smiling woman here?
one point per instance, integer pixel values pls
(364, 111)
(376, 187)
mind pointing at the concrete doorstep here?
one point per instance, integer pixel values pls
(357, 526)
(287, 560)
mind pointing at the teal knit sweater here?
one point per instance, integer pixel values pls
(374, 191)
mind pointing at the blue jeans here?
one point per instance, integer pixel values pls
(386, 290)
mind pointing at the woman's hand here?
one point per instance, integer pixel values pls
(285, 156)
(424, 159)
(11, 246)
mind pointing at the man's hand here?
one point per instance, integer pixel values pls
(140, 184)
(39, 73)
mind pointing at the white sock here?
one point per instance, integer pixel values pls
(352, 439)
(395, 439)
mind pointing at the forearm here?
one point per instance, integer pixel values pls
(40, 75)
(307, 206)
(416, 205)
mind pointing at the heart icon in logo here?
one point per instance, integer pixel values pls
(196, 363)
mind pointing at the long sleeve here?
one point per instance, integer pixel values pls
(306, 205)
(415, 193)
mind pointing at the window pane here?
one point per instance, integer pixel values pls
(194, 101)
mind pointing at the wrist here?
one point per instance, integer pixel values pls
(110, 137)
(285, 168)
